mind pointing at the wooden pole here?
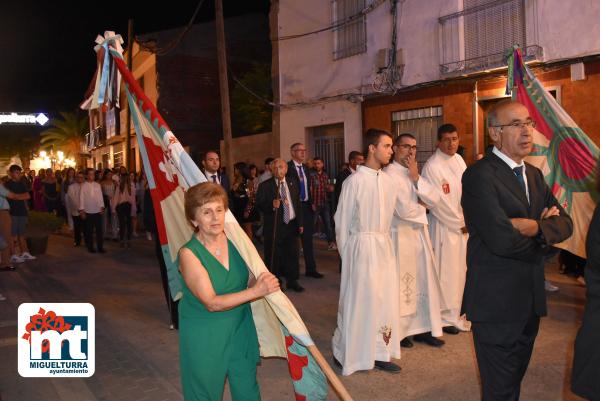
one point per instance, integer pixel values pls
(224, 86)
(335, 382)
(127, 153)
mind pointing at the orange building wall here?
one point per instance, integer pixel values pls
(581, 100)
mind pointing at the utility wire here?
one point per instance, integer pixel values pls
(337, 24)
(161, 51)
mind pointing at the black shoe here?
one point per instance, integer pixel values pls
(9, 268)
(428, 339)
(451, 330)
(406, 343)
(314, 274)
(91, 250)
(295, 286)
(337, 363)
(101, 250)
(389, 367)
(76, 244)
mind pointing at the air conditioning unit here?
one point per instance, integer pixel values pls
(384, 56)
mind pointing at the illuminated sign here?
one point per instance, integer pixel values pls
(15, 118)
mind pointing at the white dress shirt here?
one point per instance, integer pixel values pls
(209, 177)
(303, 183)
(289, 197)
(512, 164)
(90, 198)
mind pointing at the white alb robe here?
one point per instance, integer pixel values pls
(445, 222)
(420, 299)
(367, 319)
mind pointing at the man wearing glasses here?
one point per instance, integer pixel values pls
(513, 219)
(298, 172)
(420, 300)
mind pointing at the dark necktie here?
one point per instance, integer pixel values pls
(301, 177)
(214, 177)
(284, 203)
(519, 173)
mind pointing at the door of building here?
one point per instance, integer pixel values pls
(328, 144)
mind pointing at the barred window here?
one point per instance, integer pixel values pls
(350, 34)
(423, 123)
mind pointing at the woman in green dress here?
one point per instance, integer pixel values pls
(217, 336)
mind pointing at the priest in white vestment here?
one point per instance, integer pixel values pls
(367, 322)
(420, 300)
(444, 171)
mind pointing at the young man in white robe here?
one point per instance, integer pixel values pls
(420, 300)
(367, 322)
(444, 171)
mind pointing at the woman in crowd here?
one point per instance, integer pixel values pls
(251, 214)
(239, 195)
(38, 191)
(123, 204)
(69, 179)
(217, 336)
(109, 219)
(586, 363)
(50, 192)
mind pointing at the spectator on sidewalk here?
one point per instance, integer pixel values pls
(49, 192)
(70, 178)
(72, 202)
(18, 215)
(5, 225)
(355, 159)
(319, 185)
(268, 172)
(123, 204)
(37, 187)
(91, 208)
(109, 219)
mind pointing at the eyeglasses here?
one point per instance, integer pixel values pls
(299, 150)
(408, 147)
(518, 124)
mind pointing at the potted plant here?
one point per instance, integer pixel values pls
(39, 226)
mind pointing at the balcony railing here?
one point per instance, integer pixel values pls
(476, 39)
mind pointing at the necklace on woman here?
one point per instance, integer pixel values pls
(217, 252)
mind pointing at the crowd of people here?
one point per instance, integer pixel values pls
(424, 251)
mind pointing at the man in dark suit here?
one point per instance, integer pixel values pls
(278, 200)
(355, 159)
(513, 219)
(298, 173)
(212, 169)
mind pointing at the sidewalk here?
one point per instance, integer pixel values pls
(137, 355)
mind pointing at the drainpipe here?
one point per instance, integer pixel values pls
(475, 122)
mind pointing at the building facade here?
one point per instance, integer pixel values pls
(408, 66)
(181, 78)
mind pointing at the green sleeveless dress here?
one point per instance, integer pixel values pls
(218, 345)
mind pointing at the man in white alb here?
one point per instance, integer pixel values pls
(367, 321)
(444, 171)
(420, 300)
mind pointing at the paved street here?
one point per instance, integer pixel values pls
(137, 354)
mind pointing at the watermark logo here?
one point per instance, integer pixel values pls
(56, 340)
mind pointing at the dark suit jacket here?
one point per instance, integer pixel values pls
(292, 174)
(505, 270)
(267, 192)
(339, 180)
(586, 363)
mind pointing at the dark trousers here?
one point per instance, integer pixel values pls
(503, 352)
(124, 215)
(93, 222)
(286, 253)
(307, 237)
(78, 229)
(325, 215)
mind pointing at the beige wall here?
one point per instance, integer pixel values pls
(253, 149)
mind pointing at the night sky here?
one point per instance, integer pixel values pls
(46, 47)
